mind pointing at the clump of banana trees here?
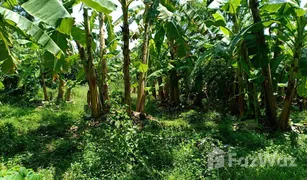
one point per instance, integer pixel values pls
(248, 54)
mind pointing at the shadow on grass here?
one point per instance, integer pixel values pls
(109, 151)
(220, 127)
(50, 145)
(244, 142)
(191, 119)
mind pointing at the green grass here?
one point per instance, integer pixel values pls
(39, 137)
(56, 141)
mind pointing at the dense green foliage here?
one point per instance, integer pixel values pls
(154, 94)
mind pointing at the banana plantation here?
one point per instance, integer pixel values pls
(153, 89)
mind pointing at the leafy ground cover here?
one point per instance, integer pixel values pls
(59, 142)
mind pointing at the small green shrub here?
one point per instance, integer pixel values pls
(20, 173)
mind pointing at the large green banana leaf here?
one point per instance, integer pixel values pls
(51, 12)
(55, 14)
(26, 27)
(29, 28)
(112, 43)
(7, 60)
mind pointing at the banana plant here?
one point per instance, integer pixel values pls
(53, 13)
(111, 44)
(172, 30)
(140, 106)
(10, 20)
(94, 98)
(232, 11)
(292, 18)
(126, 53)
(236, 11)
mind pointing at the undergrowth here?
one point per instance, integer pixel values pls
(57, 142)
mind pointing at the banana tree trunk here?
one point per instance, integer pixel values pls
(174, 88)
(277, 52)
(154, 91)
(167, 89)
(270, 101)
(199, 90)
(304, 103)
(291, 90)
(241, 101)
(174, 80)
(61, 89)
(103, 86)
(89, 65)
(232, 97)
(277, 49)
(126, 53)
(46, 98)
(300, 102)
(280, 90)
(140, 106)
(68, 94)
(252, 88)
(161, 92)
(85, 67)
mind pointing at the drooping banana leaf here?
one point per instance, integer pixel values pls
(174, 33)
(79, 35)
(302, 88)
(60, 39)
(7, 60)
(93, 18)
(159, 38)
(170, 5)
(164, 13)
(103, 6)
(1, 86)
(68, 4)
(219, 19)
(112, 43)
(256, 51)
(231, 6)
(32, 30)
(276, 5)
(51, 12)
